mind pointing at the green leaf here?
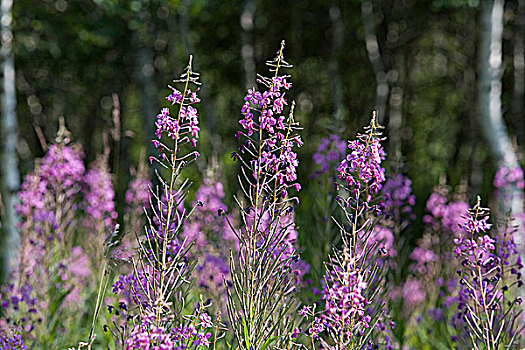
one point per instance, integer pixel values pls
(246, 333)
(269, 341)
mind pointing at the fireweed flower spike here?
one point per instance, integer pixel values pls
(163, 253)
(484, 302)
(261, 301)
(353, 277)
(161, 274)
(162, 256)
(49, 270)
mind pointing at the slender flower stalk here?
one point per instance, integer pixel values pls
(158, 286)
(50, 279)
(492, 319)
(353, 277)
(429, 293)
(261, 300)
(161, 252)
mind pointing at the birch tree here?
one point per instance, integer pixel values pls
(496, 136)
(10, 177)
(518, 61)
(247, 49)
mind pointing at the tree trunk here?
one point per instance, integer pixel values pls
(519, 70)
(335, 74)
(148, 90)
(374, 55)
(395, 121)
(247, 48)
(9, 241)
(145, 73)
(489, 104)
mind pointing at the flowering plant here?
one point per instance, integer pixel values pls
(485, 304)
(261, 301)
(156, 290)
(353, 278)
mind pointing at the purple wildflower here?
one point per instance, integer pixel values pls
(266, 253)
(505, 176)
(56, 177)
(482, 300)
(13, 342)
(361, 169)
(350, 274)
(262, 115)
(330, 150)
(182, 127)
(99, 196)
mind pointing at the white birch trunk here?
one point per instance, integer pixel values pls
(9, 242)
(490, 71)
(395, 121)
(247, 48)
(519, 67)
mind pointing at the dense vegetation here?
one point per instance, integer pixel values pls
(239, 215)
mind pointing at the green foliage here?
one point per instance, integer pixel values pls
(72, 56)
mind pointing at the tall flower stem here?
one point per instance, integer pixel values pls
(175, 169)
(262, 293)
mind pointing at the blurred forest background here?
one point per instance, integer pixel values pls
(416, 62)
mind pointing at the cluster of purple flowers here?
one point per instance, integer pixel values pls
(99, 196)
(352, 273)
(14, 342)
(473, 249)
(330, 151)
(346, 304)
(56, 179)
(148, 335)
(272, 151)
(505, 176)
(483, 303)
(397, 196)
(361, 169)
(266, 240)
(48, 265)
(444, 215)
(266, 103)
(184, 127)
(163, 265)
